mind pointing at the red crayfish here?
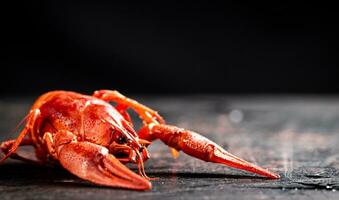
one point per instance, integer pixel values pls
(93, 139)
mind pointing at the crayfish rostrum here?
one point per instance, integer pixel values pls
(93, 139)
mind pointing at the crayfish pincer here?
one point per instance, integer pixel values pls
(94, 140)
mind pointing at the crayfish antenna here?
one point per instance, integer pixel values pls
(200, 147)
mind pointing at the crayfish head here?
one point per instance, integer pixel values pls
(130, 150)
(123, 138)
(125, 144)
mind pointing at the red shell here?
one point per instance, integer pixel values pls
(89, 118)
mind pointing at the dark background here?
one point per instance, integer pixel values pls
(280, 47)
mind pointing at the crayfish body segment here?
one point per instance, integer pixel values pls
(93, 140)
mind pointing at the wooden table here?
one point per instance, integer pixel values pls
(296, 136)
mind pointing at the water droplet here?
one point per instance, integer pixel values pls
(296, 189)
(236, 116)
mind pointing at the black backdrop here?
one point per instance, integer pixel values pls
(280, 47)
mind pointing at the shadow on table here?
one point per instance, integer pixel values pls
(14, 173)
(201, 175)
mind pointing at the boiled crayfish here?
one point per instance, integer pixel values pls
(93, 139)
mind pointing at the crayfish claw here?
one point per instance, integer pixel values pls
(221, 156)
(94, 163)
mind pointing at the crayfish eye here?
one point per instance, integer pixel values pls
(121, 140)
(118, 138)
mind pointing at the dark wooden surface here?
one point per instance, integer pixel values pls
(296, 136)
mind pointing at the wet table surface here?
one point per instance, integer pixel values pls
(298, 137)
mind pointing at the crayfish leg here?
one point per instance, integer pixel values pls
(202, 148)
(20, 140)
(145, 113)
(122, 109)
(6, 146)
(174, 152)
